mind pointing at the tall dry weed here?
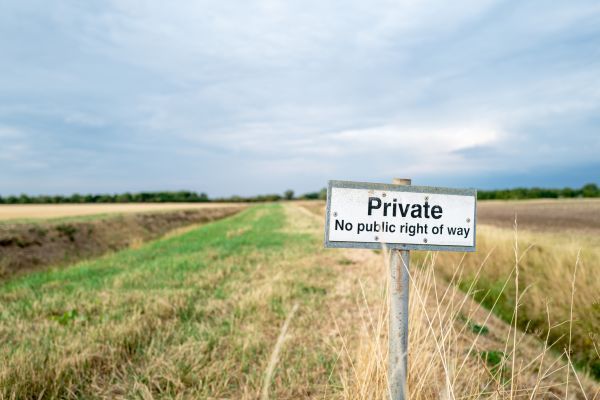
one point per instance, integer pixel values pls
(457, 349)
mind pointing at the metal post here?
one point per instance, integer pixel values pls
(398, 327)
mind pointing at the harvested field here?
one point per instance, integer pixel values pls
(542, 215)
(28, 246)
(577, 215)
(45, 211)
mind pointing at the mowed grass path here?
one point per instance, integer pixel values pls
(189, 316)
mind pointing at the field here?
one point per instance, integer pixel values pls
(252, 306)
(581, 215)
(31, 212)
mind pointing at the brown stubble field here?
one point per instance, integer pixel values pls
(537, 215)
(18, 212)
(543, 215)
(547, 215)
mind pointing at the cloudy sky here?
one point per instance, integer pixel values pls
(251, 97)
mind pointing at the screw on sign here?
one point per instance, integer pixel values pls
(400, 217)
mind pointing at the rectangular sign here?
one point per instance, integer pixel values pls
(365, 215)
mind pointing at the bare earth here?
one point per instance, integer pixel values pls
(43, 211)
(542, 215)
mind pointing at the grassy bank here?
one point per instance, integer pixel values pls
(26, 247)
(197, 313)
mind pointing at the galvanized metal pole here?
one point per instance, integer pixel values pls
(398, 326)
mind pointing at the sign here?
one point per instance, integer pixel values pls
(365, 215)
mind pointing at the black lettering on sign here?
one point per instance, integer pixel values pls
(374, 204)
(459, 231)
(343, 225)
(404, 210)
(436, 212)
(416, 211)
(385, 208)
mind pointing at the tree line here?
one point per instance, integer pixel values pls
(521, 193)
(185, 196)
(182, 196)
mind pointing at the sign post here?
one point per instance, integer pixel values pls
(398, 318)
(402, 217)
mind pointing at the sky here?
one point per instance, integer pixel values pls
(254, 97)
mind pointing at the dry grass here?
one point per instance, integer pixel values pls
(46, 211)
(547, 264)
(458, 350)
(192, 316)
(210, 314)
(547, 261)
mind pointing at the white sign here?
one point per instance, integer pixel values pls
(405, 217)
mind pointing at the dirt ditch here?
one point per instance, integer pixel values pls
(28, 247)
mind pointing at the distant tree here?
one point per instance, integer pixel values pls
(123, 198)
(105, 198)
(310, 196)
(42, 199)
(567, 192)
(323, 194)
(590, 190)
(266, 197)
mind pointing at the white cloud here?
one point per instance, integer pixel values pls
(16, 151)
(7, 132)
(84, 119)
